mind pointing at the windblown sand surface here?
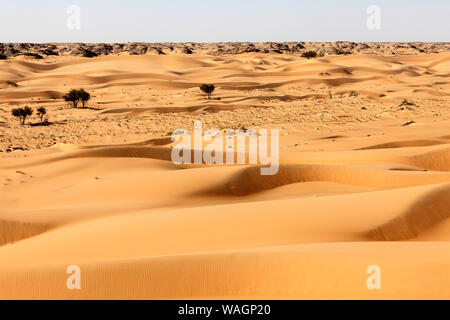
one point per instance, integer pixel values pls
(364, 178)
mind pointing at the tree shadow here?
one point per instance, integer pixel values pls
(47, 123)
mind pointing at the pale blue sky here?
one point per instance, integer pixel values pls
(224, 20)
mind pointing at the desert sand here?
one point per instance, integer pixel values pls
(364, 176)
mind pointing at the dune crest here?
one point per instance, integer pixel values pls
(425, 213)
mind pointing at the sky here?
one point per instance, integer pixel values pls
(224, 20)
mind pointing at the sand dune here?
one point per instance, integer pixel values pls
(363, 180)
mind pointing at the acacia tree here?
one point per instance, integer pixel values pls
(22, 114)
(41, 113)
(83, 96)
(208, 89)
(72, 97)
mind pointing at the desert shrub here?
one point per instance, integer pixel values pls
(22, 113)
(309, 54)
(41, 112)
(208, 89)
(407, 103)
(11, 83)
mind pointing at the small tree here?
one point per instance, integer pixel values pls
(83, 96)
(41, 112)
(22, 114)
(18, 114)
(27, 111)
(72, 97)
(208, 89)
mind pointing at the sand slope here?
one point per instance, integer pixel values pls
(141, 228)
